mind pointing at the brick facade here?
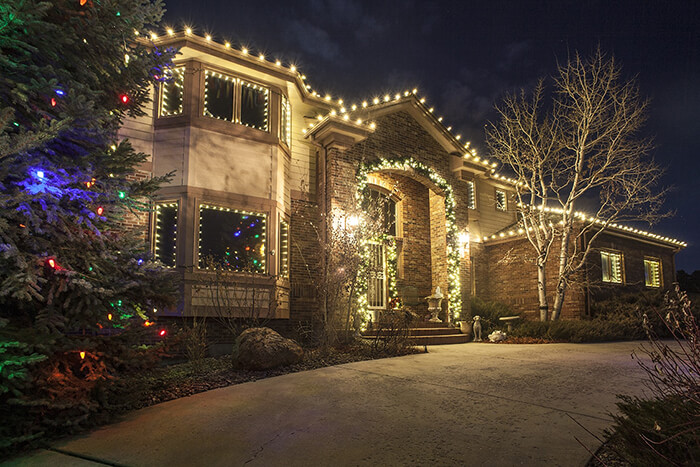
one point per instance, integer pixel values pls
(506, 272)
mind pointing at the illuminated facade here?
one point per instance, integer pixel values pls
(261, 160)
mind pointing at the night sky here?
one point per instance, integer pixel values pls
(464, 55)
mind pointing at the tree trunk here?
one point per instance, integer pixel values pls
(561, 282)
(542, 289)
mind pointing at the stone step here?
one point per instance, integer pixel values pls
(417, 332)
(435, 340)
(440, 340)
(426, 324)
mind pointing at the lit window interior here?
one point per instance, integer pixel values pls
(611, 264)
(231, 239)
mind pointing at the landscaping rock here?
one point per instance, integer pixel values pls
(263, 348)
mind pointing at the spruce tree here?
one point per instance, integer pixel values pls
(73, 281)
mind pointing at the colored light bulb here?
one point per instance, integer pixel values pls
(124, 98)
(82, 354)
(100, 210)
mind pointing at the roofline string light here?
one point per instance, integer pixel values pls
(326, 98)
(591, 220)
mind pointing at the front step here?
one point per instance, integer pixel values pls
(426, 333)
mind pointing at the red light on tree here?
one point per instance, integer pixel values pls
(100, 210)
(162, 332)
(124, 98)
(53, 102)
(52, 263)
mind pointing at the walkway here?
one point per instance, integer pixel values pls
(466, 404)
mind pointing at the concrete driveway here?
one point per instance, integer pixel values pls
(466, 404)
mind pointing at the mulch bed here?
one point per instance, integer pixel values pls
(186, 379)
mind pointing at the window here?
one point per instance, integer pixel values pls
(501, 201)
(166, 233)
(376, 282)
(254, 106)
(231, 239)
(235, 100)
(471, 195)
(284, 250)
(377, 203)
(652, 272)
(172, 92)
(218, 96)
(611, 264)
(286, 122)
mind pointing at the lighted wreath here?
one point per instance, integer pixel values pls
(410, 164)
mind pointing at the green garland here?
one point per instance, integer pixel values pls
(454, 287)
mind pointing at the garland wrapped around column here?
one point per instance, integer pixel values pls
(409, 164)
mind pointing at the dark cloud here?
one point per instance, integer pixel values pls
(313, 39)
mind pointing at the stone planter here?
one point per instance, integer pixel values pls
(465, 328)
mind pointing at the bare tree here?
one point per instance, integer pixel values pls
(584, 144)
(343, 239)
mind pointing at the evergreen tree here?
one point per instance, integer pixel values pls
(72, 282)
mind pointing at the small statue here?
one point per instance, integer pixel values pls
(477, 328)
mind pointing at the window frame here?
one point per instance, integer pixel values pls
(237, 98)
(213, 206)
(381, 246)
(285, 130)
(179, 69)
(158, 205)
(284, 260)
(659, 272)
(501, 207)
(609, 254)
(471, 194)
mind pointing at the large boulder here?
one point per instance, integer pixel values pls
(263, 348)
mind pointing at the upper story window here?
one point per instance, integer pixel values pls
(501, 200)
(286, 122)
(218, 96)
(379, 204)
(471, 195)
(232, 240)
(235, 100)
(166, 233)
(254, 105)
(171, 96)
(611, 265)
(652, 272)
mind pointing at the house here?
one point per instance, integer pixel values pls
(262, 161)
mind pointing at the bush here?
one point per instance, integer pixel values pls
(596, 330)
(656, 431)
(664, 429)
(489, 313)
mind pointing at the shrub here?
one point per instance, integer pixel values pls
(664, 429)
(489, 313)
(596, 330)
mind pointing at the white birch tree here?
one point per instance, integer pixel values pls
(586, 144)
